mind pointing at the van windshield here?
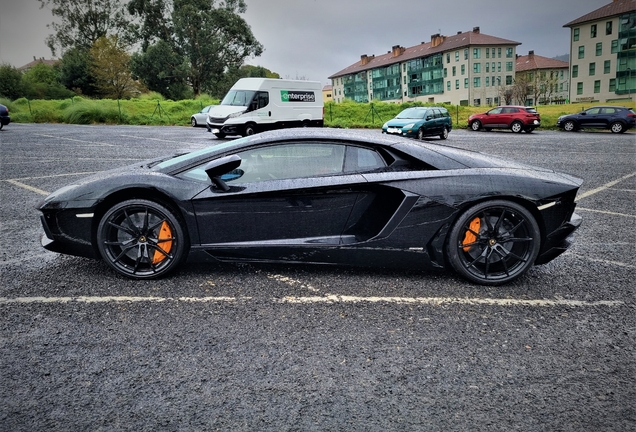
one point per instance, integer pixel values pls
(238, 97)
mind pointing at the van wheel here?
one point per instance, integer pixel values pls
(305, 123)
(250, 129)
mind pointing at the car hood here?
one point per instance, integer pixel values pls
(402, 122)
(222, 111)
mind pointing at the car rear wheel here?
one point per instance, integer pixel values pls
(569, 126)
(476, 125)
(516, 127)
(617, 127)
(141, 239)
(493, 242)
(444, 133)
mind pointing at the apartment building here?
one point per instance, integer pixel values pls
(545, 80)
(469, 68)
(603, 54)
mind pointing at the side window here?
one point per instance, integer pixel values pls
(495, 111)
(362, 160)
(593, 111)
(290, 161)
(261, 100)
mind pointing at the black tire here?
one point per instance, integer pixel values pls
(499, 248)
(487, 129)
(516, 127)
(420, 134)
(617, 127)
(529, 130)
(444, 133)
(1, 126)
(194, 122)
(569, 126)
(250, 129)
(476, 125)
(305, 123)
(142, 239)
(220, 135)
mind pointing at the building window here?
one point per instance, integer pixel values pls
(608, 28)
(592, 69)
(575, 34)
(445, 72)
(465, 82)
(487, 52)
(508, 66)
(499, 52)
(454, 70)
(593, 31)
(498, 66)
(448, 84)
(508, 79)
(466, 54)
(456, 56)
(599, 48)
(477, 82)
(607, 66)
(597, 86)
(579, 88)
(508, 52)
(487, 67)
(612, 84)
(463, 69)
(575, 71)
(614, 46)
(447, 57)
(476, 102)
(456, 84)
(582, 51)
(487, 80)
(476, 53)
(476, 67)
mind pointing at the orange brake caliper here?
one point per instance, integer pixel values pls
(470, 238)
(164, 233)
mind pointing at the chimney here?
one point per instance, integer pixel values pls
(364, 59)
(531, 53)
(397, 50)
(476, 30)
(460, 32)
(436, 40)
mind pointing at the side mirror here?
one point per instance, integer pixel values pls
(216, 168)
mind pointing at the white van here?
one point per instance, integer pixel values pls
(256, 104)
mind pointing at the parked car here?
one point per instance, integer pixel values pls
(4, 116)
(419, 122)
(200, 118)
(313, 195)
(517, 118)
(615, 118)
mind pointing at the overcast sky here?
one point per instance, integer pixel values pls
(313, 39)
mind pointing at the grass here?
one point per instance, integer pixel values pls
(152, 109)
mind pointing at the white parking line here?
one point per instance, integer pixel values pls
(605, 212)
(27, 187)
(327, 299)
(92, 143)
(161, 140)
(605, 186)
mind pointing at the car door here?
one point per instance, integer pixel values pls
(492, 117)
(591, 118)
(286, 195)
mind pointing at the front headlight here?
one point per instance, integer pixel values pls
(408, 126)
(236, 114)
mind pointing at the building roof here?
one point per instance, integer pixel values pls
(36, 61)
(438, 44)
(534, 62)
(617, 7)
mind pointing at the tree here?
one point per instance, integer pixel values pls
(75, 72)
(42, 82)
(109, 66)
(82, 22)
(222, 86)
(162, 69)
(10, 82)
(155, 21)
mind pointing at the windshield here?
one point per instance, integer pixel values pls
(238, 97)
(412, 113)
(217, 148)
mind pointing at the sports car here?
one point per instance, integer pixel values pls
(319, 196)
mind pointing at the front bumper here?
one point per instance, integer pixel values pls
(560, 240)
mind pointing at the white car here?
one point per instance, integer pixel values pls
(200, 118)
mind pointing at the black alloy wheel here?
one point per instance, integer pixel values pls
(141, 239)
(494, 242)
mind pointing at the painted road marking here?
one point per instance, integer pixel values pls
(93, 143)
(27, 187)
(326, 299)
(605, 186)
(605, 212)
(161, 140)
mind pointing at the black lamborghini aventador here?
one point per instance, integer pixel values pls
(319, 196)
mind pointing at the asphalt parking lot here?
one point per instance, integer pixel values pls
(279, 347)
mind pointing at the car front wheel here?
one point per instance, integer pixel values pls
(141, 239)
(493, 242)
(569, 126)
(516, 127)
(193, 121)
(444, 133)
(476, 125)
(617, 127)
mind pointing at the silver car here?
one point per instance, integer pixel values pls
(200, 118)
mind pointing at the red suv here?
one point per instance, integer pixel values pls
(514, 117)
